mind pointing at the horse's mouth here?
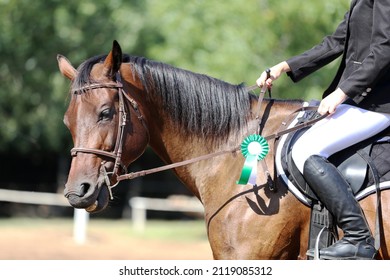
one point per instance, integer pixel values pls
(93, 207)
(100, 203)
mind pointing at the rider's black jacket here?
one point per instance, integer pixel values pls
(363, 40)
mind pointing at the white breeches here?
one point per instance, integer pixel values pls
(345, 127)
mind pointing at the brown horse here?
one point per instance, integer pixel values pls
(120, 104)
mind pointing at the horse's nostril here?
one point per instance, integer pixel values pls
(79, 191)
(81, 195)
(84, 189)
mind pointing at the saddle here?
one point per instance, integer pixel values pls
(365, 166)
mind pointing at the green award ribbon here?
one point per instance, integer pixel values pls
(253, 148)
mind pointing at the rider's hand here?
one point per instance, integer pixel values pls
(330, 103)
(275, 73)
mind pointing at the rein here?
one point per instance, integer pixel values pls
(116, 155)
(276, 135)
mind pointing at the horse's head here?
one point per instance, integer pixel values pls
(107, 129)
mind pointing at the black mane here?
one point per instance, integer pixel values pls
(198, 103)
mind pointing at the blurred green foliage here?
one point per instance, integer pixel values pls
(230, 40)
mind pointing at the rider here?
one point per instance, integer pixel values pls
(358, 104)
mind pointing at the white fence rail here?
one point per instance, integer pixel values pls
(39, 198)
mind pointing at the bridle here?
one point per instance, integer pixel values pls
(124, 114)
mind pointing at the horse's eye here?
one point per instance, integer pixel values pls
(106, 114)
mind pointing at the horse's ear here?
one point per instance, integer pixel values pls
(113, 60)
(66, 67)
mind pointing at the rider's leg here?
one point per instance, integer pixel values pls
(334, 192)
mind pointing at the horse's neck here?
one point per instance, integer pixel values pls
(175, 147)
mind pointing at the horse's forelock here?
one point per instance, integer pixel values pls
(84, 70)
(83, 77)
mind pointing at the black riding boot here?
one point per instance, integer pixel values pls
(335, 193)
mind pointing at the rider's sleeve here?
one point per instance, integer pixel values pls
(329, 49)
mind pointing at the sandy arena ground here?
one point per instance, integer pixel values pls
(114, 240)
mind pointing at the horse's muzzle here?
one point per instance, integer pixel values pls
(84, 196)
